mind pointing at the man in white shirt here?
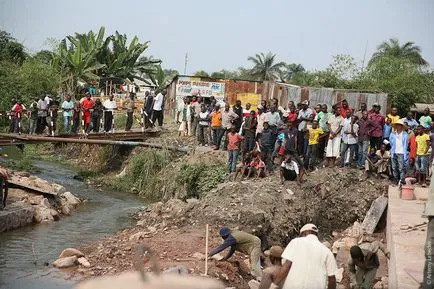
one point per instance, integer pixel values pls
(307, 263)
(157, 108)
(109, 107)
(262, 117)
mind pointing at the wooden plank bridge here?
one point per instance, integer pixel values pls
(125, 138)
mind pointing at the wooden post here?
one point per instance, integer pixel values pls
(206, 250)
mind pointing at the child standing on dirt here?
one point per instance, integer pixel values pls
(234, 140)
(315, 133)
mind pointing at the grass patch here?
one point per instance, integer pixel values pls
(23, 164)
(141, 175)
(199, 179)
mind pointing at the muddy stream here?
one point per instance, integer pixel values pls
(104, 213)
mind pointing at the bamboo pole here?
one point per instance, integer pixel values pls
(206, 249)
(30, 138)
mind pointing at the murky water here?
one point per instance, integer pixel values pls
(106, 212)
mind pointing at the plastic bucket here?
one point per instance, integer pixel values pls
(407, 192)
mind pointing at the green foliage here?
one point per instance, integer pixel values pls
(142, 173)
(200, 178)
(202, 73)
(37, 77)
(122, 59)
(265, 66)
(392, 48)
(10, 49)
(24, 164)
(9, 82)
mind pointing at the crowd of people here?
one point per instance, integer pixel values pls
(89, 113)
(300, 138)
(305, 263)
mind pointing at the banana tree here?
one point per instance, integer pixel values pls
(77, 62)
(122, 60)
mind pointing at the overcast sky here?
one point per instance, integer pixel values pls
(222, 34)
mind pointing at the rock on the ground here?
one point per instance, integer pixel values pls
(58, 188)
(339, 274)
(55, 214)
(67, 202)
(36, 200)
(16, 215)
(83, 262)
(199, 256)
(42, 214)
(68, 252)
(65, 262)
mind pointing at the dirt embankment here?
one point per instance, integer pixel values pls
(331, 198)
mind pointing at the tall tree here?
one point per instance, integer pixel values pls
(393, 48)
(76, 60)
(288, 70)
(265, 67)
(10, 49)
(123, 60)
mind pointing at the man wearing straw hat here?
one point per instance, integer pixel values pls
(399, 151)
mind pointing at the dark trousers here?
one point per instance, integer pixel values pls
(300, 143)
(217, 134)
(311, 156)
(108, 121)
(96, 122)
(75, 125)
(147, 119)
(157, 115)
(41, 124)
(322, 145)
(17, 124)
(203, 135)
(129, 123)
(249, 142)
(267, 153)
(376, 142)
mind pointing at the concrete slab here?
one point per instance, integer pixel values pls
(406, 246)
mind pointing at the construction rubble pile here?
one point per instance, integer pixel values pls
(175, 229)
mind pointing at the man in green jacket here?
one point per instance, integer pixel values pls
(242, 242)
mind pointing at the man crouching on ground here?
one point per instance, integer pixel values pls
(242, 242)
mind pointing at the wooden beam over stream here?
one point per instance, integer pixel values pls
(39, 139)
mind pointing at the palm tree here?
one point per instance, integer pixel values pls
(265, 67)
(393, 48)
(289, 70)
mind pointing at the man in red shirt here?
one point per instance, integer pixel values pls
(377, 124)
(17, 112)
(87, 105)
(344, 108)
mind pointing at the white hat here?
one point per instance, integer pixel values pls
(260, 107)
(309, 227)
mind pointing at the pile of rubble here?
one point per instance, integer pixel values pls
(327, 198)
(175, 229)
